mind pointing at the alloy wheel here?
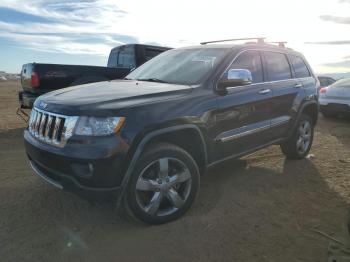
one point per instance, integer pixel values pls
(304, 139)
(163, 187)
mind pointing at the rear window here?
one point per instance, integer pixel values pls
(325, 81)
(126, 57)
(122, 57)
(299, 66)
(277, 66)
(113, 58)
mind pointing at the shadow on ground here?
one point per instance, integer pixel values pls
(261, 208)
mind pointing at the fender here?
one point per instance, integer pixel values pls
(141, 147)
(301, 109)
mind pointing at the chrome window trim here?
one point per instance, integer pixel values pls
(264, 82)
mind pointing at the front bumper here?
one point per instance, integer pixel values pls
(334, 105)
(93, 168)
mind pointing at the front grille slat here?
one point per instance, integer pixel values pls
(55, 134)
(51, 128)
(48, 129)
(42, 125)
(32, 120)
(37, 124)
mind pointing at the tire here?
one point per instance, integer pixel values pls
(163, 184)
(299, 144)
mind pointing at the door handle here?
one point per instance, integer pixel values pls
(264, 91)
(298, 85)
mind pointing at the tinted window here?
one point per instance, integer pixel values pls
(113, 58)
(325, 81)
(330, 81)
(299, 66)
(250, 60)
(277, 66)
(126, 57)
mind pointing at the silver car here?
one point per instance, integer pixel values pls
(335, 98)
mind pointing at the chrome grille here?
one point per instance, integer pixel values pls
(51, 128)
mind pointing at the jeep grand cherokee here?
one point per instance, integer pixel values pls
(150, 137)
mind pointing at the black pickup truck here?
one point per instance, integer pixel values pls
(38, 79)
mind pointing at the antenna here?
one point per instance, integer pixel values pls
(260, 40)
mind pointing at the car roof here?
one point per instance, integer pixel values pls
(164, 48)
(247, 46)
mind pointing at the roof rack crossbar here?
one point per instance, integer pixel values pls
(280, 43)
(260, 40)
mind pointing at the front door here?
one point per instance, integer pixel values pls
(244, 112)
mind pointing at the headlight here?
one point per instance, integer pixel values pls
(98, 126)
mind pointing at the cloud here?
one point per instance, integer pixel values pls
(339, 42)
(335, 19)
(344, 1)
(72, 26)
(68, 10)
(340, 64)
(55, 43)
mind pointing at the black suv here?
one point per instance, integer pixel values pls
(150, 137)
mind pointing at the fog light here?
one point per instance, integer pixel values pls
(84, 170)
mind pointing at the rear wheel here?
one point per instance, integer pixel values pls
(163, 184)
(299, 144)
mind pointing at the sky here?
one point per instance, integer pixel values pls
(83, 32)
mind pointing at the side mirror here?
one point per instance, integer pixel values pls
(235, 77)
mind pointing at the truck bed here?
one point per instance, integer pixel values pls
(56, 76)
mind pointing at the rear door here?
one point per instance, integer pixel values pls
(244, 112)
(285, 89)
(303, 73)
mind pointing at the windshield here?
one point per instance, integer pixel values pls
(179, 66)
(342, 83)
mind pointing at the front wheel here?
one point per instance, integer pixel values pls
(163, 185)
(299, 144)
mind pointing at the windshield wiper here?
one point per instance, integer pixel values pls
(152, 80)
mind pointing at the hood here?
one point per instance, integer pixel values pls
(108, 96)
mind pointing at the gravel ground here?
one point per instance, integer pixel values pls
(259, 208)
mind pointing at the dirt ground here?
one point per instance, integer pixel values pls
(259, 208)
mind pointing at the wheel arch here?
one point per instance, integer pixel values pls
(310, 109)
(170, 135)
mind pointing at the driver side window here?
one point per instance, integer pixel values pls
(251, 61)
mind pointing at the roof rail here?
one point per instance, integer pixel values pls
(260, 40)
(280, 43)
